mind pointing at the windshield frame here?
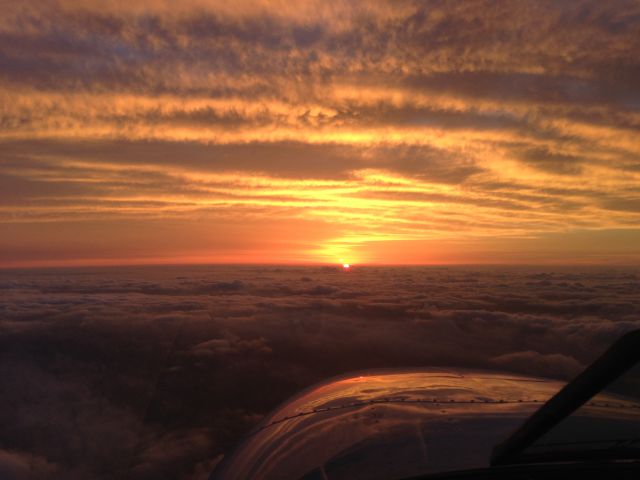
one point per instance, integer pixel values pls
(618, 359)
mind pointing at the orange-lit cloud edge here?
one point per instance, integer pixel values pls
(386, 133)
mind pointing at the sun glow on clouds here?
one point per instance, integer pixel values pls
(262, 132)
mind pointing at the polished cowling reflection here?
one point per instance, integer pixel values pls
(390, 425)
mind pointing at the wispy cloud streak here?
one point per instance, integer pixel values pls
(397, 120)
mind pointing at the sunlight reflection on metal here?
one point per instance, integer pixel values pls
(388, 424)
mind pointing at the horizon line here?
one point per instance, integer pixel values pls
(337, 265)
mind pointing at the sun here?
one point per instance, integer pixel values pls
(345, 265)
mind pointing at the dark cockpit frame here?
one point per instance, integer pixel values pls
(517, 457)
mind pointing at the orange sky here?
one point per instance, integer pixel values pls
(396, 132)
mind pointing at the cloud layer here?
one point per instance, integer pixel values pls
(386, 121)
(155, 372)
